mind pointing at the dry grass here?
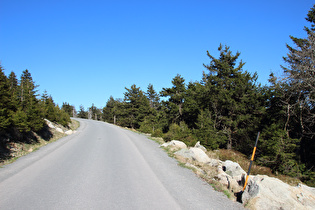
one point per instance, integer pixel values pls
(157, 139)
(214, 154)
(74, 125)
(255, 169)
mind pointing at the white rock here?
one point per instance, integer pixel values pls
(198, 145)
(59, 130)
(222, 178)
(232, 168)
(194, 154)
(69, 132)
(185, 153)
(174, 145)
(234, 185)
(307, 188)
(50, 124)
(228, 181)
(263, 192)
(199, 155)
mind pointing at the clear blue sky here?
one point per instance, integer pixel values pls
(82, 52)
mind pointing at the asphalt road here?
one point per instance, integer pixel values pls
(103, 166)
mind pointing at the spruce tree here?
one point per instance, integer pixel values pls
(14, 87)
(206, 131)
(95, 113)
(62, 117)
(82, 113)
(150, 122)
(153, 97)
(69, 109)
(5, 102)
(176, 96)
(299, 92)
(48, 107)
(193, 104)
(230, 95)
(111, 110)
(136, 106)
(29, 103)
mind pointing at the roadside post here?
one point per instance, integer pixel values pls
(239, 194)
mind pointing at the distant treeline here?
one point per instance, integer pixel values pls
(227, 108)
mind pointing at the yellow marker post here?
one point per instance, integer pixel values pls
(251, 162)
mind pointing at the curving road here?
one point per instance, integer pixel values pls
(103, 166)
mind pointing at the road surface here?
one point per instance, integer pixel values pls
(103, 166)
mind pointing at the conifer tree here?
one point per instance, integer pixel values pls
(136, 106)
(193, 104)
(48, 107)
(69, 109)
(300, 79)
(29, 103)
(111, 110)
(82, 113)
(5, 102)
(299, 92)
(206, 131)
(230, 95)
(153, 97)
(277, 149)
(14, 87)
(62, 117)
(150, 122)
(176, 95)
(94, 112)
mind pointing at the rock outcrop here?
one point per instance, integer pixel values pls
(262, 192)
(58, 128)
(50, 124)
(231, 175)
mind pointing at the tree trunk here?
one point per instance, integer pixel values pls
(287, 122)
(229, 144)
(180, 110)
